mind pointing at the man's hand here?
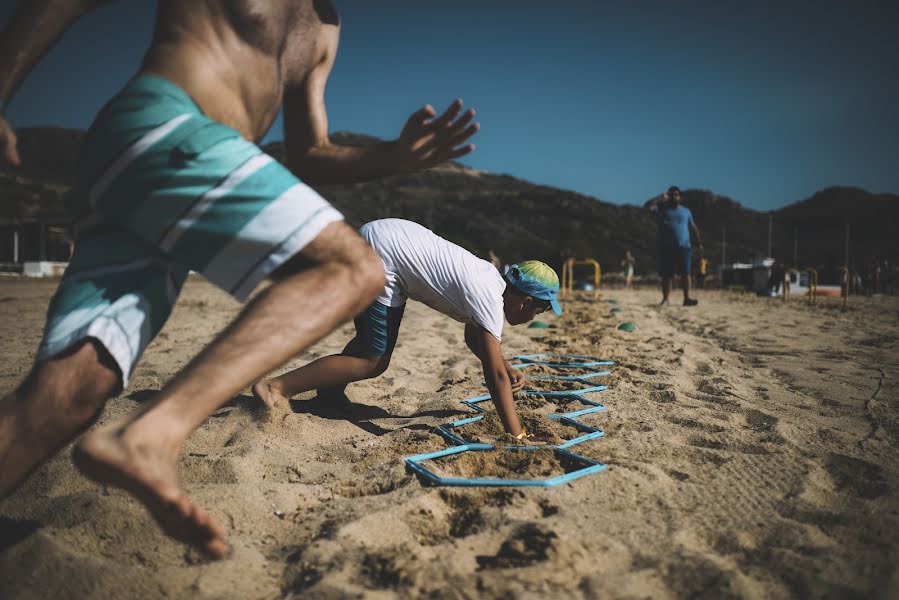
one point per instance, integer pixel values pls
(427, 140)
(8, 146)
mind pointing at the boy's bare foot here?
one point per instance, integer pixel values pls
(268, 394)
(150, 475)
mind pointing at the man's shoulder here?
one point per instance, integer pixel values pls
(682, 210)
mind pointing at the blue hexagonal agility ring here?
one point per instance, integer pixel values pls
(560, 361)
(575, 467)
(455, 432)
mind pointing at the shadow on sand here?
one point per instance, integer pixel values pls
(327, 405)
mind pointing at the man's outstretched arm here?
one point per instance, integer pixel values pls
(426, 139)
(31, 32)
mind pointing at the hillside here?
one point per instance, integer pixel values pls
(518, 219)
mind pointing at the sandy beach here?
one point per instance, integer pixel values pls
(752, 449)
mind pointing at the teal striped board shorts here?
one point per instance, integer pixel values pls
(164, 190)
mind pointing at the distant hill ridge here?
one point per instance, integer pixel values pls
(518, 219)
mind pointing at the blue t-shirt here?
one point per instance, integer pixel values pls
(674, 224)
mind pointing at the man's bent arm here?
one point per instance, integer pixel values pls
(653, 201)
(425, 141)
(31, 32)
(497, 377)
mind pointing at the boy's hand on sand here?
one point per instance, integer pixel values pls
(427, 140)
(8, 143)
(524, 435)
(517, 378)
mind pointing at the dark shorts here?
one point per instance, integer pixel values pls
(674, 260)
(377, 328)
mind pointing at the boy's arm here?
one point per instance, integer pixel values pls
(425, 141)
(488, 349)
(31, 32)
(473, 341)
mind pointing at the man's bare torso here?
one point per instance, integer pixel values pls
(236, 57)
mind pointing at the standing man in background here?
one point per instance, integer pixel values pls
(675, 225)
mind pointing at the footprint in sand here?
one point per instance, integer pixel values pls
(386, 569)
(663, 396)
(691, 576)
(704, 369)
(694, 424)
(710, 387)
(857, 477)
(759, 421)
(528, 544)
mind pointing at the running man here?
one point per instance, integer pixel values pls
(171, 179)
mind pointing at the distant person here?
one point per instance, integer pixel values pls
(875, 272)
(675, 225)
(425, 267)
(628, 263)
(776, 278)
(171, 179)
(889, 277)
(495, 261)
(703, 271)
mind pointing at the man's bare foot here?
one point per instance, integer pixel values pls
(151, 476)
(268, 393)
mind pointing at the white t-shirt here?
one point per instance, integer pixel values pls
(423, 266)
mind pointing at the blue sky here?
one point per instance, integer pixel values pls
(765, 102)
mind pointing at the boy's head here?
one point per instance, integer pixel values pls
(532, 288)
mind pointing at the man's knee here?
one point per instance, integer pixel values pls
(342, 250)
(75, 384)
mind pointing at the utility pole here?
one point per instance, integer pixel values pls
(796, 247)
(770, 227)
(723, 246)
(847, 244)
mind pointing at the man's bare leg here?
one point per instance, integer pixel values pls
(59, 399)
(685, 283)
(139, 452)
(328, 372)
(666, 289)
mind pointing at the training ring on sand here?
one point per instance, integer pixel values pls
(585, 466)
(581, 362)
(575, 465)
(453, 431)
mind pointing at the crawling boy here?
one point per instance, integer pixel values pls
(421, 265)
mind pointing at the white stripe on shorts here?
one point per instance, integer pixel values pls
(206, 200)
(290, 221)
(130, 155)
